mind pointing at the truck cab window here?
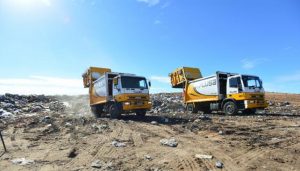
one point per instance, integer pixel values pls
(133, 82)
(252, 82)
(233, 82)
(143, 84)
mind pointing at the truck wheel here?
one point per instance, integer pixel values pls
(230, 108)
(114, 111)
(191, 109)
(141, 113)
(97, 110)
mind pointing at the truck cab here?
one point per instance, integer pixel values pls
(222, 91)
(245, 84)
(247, 91)
(116, 93)
(132, 93)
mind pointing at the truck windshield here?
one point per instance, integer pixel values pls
(134, 82)
(252, 82)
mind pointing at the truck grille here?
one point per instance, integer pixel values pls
(137, 97)
(257, 96)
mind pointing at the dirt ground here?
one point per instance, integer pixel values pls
(68, 142)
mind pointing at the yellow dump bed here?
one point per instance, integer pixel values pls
(181, 75)
(92, 74)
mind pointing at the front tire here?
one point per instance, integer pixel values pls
(114, 111)
(230, 108)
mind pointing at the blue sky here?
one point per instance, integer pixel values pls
(45, 45)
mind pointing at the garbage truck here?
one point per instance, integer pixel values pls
(116, 93)
(222, 91)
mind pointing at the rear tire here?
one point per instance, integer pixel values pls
(114, 111)
(97, 110)
(230, 108)
(141, 113)
(191, 109)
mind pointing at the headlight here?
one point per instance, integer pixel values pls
(126, 103)
(149, 102)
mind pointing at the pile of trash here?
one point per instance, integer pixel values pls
(276, 107)
(12, 105)
(166, 103)
(172, 103)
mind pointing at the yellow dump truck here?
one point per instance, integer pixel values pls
(223, 91)
(116, 93)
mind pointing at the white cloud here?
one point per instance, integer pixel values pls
(252, 63)
(47, 2)
(161, 79)
(150, 3)
(42, 85)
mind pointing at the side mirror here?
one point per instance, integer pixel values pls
(149, 83)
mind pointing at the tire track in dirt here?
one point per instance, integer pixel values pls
(102, 148)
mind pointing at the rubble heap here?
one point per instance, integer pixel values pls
(166, 103)
(172, 103)
(287, 108)
(12, 105)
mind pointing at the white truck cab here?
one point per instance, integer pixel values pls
(244, 84)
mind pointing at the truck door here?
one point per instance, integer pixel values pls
(116, 86)
(234, 85)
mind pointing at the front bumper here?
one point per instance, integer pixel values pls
(136, 105)
(255, 104)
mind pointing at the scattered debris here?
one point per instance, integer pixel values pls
(219, 165)
(96, 164)
(104, 126)
(154, 123)
(203, 156)
(72, 153)
(118, 144)
(148, 157)
(205, 117)
(22, 161)
(99, 128)
(169, 142)
(68, 124)
(47, 119)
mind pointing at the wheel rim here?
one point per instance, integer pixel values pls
(112, 109)
(230, 109)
